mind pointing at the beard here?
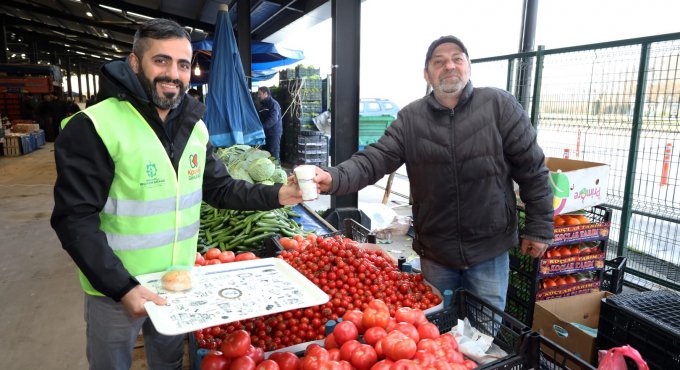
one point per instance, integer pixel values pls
(450, 86)
(167, 100)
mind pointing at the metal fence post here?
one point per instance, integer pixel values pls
(536, 98)
(626, 209)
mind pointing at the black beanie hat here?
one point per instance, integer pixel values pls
(442, 40)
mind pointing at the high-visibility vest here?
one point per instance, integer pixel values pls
(152, 213)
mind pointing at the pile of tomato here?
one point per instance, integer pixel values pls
(351, 276)
(368, 340)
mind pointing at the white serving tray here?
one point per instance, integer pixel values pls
(230, 292)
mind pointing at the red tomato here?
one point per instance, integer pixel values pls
(345, 331)
(428, 345)
(242, 363)
(376, 314)
(428, 330)
(267, 365)
(364, 357)
(347, 348)
(214, 360)
(399, 346)
(333, 354)
(226, 257)
(405, 365)
(286, 360)
(356, 317)
(447, 339)
(424, 358)
(329, 342)
(245, 256)
(409, 330)
(236, 344)
(212, 253)
(314, 357)
(382, 365)
(374, 334)
(200, 260)
(405, 314)
(256, 353)
(469, 364)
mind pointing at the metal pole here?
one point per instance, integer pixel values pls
(345, 88)
(527, 39)
(627, 207)
(3, 41)
(80, 85)
(243, 28)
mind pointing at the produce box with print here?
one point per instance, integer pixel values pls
(571, 322)
(577, 184)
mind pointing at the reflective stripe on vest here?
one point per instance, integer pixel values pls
(152, 214)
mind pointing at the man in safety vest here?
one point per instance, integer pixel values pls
(132, 171)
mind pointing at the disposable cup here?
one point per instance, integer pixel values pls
(305, 178)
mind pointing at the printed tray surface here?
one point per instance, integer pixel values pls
(230, 292)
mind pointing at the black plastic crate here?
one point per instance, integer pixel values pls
(358, 232)
(545, 354)
(613, 275)
(648, 321)
(509, 334)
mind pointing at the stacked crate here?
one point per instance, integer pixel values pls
(574, 264)
(647, 321)
(301, 101)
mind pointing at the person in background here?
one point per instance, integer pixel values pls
(463, 147)
(270, 116)
(132, 171)
(90, 101)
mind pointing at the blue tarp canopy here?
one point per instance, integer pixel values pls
(265, 57)
(231, 116)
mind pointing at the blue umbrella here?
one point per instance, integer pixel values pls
(231, 116)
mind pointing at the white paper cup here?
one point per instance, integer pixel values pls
(305, 178)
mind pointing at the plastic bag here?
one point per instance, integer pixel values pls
(615, 359)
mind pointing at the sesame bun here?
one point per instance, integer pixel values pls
(176, 280)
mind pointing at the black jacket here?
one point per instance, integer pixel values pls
(270, 115)
(461, 164)
(85, 172)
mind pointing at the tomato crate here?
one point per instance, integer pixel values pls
(358, 232)
(545, 354)
(648, 321)
(509, 333)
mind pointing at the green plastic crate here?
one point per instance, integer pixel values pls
(371, 128)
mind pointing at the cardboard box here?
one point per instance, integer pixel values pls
(553, 319)
(577, 184)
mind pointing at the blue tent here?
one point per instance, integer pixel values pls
(231, 116)
(265, 57)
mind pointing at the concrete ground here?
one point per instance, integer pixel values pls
(41, 304)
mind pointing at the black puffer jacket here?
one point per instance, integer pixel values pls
(461, 164)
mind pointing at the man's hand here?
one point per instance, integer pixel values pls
(134, 300)
(290, 194)
(323, 180)
(533, 249)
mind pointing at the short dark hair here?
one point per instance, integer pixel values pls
(157, 29)
(264, 89)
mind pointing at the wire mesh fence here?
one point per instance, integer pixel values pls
(616, 103)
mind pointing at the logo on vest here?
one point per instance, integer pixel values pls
(194, 171)
(151, 180)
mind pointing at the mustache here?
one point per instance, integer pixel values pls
(168, 80)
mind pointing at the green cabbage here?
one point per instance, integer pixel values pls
(261, 169)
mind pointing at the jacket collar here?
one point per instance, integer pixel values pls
(465, 97)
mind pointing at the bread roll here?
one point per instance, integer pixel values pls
(176, 280)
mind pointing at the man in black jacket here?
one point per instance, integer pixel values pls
(462, 147)
(270, 116)
(147, 88)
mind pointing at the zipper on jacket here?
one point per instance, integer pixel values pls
(464, 265)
